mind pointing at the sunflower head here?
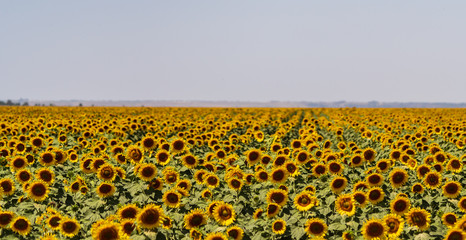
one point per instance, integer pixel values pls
(315, 227)
(224, 213)
(279, 226)
(129, 211)
(449, 219)
(344, 205)
(394, 225)
(374, 229)
(69, 227)
(38, 190)
(419, 218)
(21, 225)
(172, 198)
(195, 218)
(400, 205)
(150, 216)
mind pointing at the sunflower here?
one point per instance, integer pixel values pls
(369, 154)
(400, 205)
(338, 184)
(449, 219)
(53, 221)
(374, 229)
(235, 183)
(47, 158)
(395, 225)
(292, 169)
(195, 218)
(235, 232)
(280, 160)
(184, 184)
(451, 189)
(189, 161)
(38, 190)
(23, 176)
(262, 176)
(195, 234)
(21, 225)
(360, 198)
(48, 236)
(462, 204)
(167, 223)
(440, 157)
(347, 235)
(258, 213)
(277, 196)
(18, 163)
(315, 227)
(461, 224)
(305, 201)
(135, 154)
(86, 166)
(150, 216)
(105, 190)
(398, 177)
(265, 159)
(374, 179)
(216, 236)
(335, 167)
(418, 217)
(148, 143)
(224, 213)
(455, 165)
(360, 185)
(455, 234)
(69, 227)
(129, 211)
(417, 188)
(357, 160)
(302, 157)
(37, 142)
(128, 226)
(432, 180)
(319, 169)
(106, 172)
(212, 181)
(383, 165)
(178, 146)
(253, 156)
(172, 198)
(279, 175)
(5, 218)
(422, 170)
(273, 209)
(279, 226)
(147, 171)
(108, 230)
(375, 195)
(344, 205)
(171, 176)
(207, 194)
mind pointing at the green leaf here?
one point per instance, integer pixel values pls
(336, 226)
(422, 236)
(297, 233)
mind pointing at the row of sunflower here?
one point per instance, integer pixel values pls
(188, 173)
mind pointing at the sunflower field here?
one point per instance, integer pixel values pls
(232, 173)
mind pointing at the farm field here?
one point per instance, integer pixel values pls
(232, 173)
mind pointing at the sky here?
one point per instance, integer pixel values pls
(261, 50)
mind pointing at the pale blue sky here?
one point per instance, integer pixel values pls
(234, 50)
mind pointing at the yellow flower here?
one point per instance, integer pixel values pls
(279, 226)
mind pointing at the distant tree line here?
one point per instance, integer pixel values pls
(11, 103)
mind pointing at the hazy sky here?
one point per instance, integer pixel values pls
(258, 50)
